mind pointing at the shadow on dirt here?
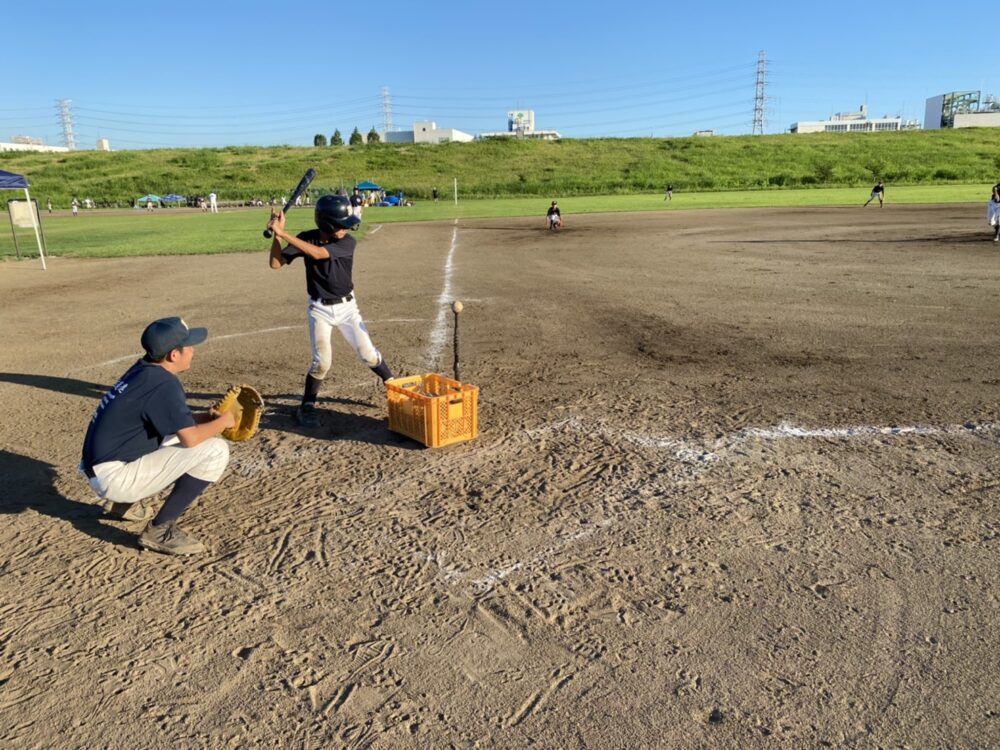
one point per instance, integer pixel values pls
(29, 484)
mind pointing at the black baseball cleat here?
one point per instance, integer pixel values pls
(306, 415)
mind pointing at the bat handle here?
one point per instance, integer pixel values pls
(268, 233)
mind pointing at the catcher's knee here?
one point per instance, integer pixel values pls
(214, 459)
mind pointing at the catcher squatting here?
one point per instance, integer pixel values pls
(143, 437)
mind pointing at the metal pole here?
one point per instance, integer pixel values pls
(456, 307)
(34, 224)
(13, 231)
(456, 191)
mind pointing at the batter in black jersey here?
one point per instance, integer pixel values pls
(328, 254)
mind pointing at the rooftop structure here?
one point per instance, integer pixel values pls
(961, 109)
(521, 124)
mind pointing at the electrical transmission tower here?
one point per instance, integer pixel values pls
(66, 118)
(758, 102)
(386, 110)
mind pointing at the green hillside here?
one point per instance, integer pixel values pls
(501, 168)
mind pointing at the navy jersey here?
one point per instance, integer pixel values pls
(134, 417)
(329, 277)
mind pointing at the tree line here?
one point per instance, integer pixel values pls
(356, 138)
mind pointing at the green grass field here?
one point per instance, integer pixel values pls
(106, 234)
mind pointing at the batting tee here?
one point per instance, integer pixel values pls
(11, 181)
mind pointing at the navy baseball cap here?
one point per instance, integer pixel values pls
(166, 334)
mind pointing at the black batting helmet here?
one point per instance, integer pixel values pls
(334, 212)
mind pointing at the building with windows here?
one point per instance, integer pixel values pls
(961, 109)
(426, 132)
(521, 124)
(28, 143)
(854, 122)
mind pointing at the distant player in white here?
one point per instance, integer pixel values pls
(993, 212)
(212, 205)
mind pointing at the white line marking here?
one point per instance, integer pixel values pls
(692, 454)
(374, 229)
(440, 333)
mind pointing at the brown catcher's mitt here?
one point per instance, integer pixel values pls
(247, 406)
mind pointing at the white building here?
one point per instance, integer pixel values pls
(961, 109)
(426, 132)
(521, 124)
(27, 143)
(103, 144)
(852, 122)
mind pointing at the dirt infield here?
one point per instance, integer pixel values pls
(736, 486)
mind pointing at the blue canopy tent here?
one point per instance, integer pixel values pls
(173, 198)
(147, 198)
(367, 185)
(11, 181)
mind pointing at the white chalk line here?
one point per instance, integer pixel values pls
(440, 333)
(136, 355)
(692, 454)
(374, 229)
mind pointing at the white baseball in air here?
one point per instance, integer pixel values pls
(456, 306)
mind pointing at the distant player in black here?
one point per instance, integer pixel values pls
(668, 194)
(877, 192)
(553, 219)
(434, 194)
(993, 212)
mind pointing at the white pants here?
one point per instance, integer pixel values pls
(346, 317)
(993, 213)
(130, 482)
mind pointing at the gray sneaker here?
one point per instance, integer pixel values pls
(129, 511)
(306, 415)
(170, 539)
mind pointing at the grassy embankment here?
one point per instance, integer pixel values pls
(509, 169)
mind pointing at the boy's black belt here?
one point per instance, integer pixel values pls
(333, 300)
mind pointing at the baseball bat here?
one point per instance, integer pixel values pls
(299, 190)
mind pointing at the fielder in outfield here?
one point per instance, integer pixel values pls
(328, 254)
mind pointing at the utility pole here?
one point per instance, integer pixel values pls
(758, 103)
(66, 118)
(386, 110)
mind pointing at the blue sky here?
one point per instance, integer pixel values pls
(220, 73)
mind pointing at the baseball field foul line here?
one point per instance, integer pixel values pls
(697, 456)
(440, 333)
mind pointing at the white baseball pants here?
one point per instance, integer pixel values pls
(346, 317)
(131, 482)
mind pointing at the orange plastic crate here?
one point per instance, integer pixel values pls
(432, 409)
